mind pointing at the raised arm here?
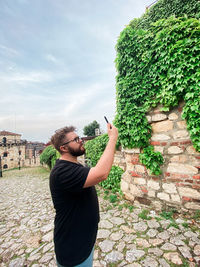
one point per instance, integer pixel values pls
(101, 170)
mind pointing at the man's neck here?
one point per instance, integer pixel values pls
(69, 157)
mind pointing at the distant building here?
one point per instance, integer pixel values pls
(12, 150)
(17, 153)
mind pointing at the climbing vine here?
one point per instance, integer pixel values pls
(160, 65)
(94, 150)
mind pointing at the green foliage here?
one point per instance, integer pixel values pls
(89, 129)
(49, 156)
(152, 160)
(113, 181)
(163, 9)
(168, 215)
(158, 65)
(94, 149)
(144, 215)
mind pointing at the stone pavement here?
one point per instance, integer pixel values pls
(128, 236)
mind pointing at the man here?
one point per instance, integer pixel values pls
(74, 197)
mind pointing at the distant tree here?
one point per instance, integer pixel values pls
(89, 129)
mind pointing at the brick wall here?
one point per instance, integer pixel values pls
(179, 184)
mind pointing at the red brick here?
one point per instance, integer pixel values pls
(174, 144)
(186, 142)
(135, 159)
(177, 184)
(135, 174)
(144, 190)
(197, 157)
(196, 186)
(178, 175)
(155, 143)
(198, 167)
(186, 198)
(189, 181)
(156, 178)
(180, 109)
(167, 174)
(196, 176)
(163, 143)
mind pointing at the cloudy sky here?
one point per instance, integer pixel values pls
(57, 62)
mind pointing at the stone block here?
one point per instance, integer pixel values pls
(182, 134)
(181, 168)
(173, 116)
(128, 158)
(175, 198)
(135, 190)
(175, 150)
(131, 151)
(163, 126)
(126, 177)
(182, 124)
(153, 185)
(140, 181)
(151, 193)
(159, 149)
(124, 186)
(160, 137)
(140, 168)
(129, 196)
(189, 192)
(163, 196)
(169, 188)
(157, 205)
(191, 150)
(192, 205)
(180, 159)
(159, 117)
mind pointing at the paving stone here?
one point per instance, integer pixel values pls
(152, 233)
(117, 220)
(153, 224)
(185, 251)
(140, 227)
(142, 243)
(156, 251)
(134, 254)
(163, 263)
(19, 262)
(114, 256)
(105, 224)
(116, 236)
(102, 233)
(106, 245)
(169, 246)
(149, 262)
(164, 235)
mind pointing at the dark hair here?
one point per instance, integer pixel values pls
(60, 137)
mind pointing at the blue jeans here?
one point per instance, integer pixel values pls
(86, 263)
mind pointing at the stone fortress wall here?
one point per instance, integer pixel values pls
(179, 184)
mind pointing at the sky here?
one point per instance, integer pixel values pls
(57, 63)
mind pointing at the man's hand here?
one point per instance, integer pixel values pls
(112, 132)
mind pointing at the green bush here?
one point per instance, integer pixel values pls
(49, 156)
(94, 150)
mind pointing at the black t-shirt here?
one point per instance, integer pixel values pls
(77, 212)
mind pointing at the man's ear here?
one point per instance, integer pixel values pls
(64, 149)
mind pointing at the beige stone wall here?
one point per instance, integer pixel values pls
(13, 158)
(10, 138)
(179, 184)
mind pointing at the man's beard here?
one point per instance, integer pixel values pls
(76, 152)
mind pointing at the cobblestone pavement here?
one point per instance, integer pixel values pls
(128, 236)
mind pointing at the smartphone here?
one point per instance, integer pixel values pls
(107, 121)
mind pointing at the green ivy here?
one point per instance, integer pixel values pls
(94, 150)
(158, 65)
(152, 160)
(49, 156)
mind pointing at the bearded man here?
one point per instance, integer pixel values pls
(74, 197)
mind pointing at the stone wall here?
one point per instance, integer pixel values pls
(179, 184)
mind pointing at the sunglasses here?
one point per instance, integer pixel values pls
(76, 139)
